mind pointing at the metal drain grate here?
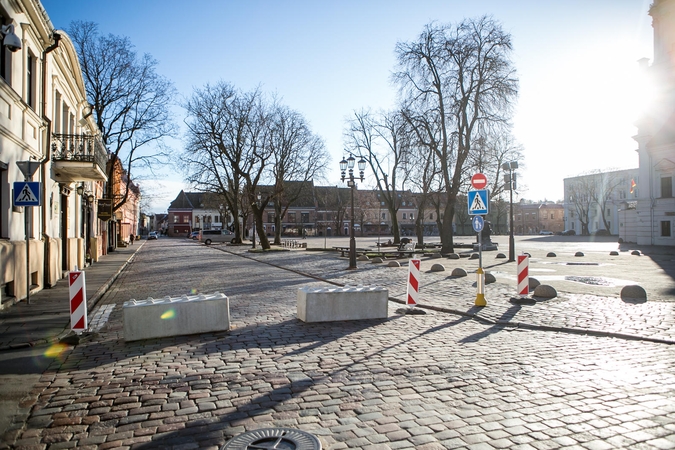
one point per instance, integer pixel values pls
(274, 438)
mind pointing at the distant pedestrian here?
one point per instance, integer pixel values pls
(132, 239)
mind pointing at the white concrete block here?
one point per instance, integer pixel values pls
(176, 316)
(347, 303)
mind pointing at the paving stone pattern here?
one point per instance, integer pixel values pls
(439, 380)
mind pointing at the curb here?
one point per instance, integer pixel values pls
(93, 300)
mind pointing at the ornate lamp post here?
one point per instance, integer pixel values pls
(510, 179)
(351, 182)
(257, 203)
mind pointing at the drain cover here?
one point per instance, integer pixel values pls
(274, 438)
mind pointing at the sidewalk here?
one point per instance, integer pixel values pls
(47, 318)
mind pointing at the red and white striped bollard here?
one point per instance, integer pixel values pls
(78, 301)
(523, 275)
(413, 282)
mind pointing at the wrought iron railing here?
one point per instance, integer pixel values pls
(79, 147)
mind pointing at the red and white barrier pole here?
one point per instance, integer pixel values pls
(523, 275)
(78, 301)
(413, 282)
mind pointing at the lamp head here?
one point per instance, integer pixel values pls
(11, 40)
(80, 190)
(343, 164)
(350, 161)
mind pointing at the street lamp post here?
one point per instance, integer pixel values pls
(510, 178)
(254, 221)
(351, 182)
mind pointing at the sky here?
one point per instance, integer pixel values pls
(580, 85)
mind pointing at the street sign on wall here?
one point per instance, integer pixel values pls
(26, 193)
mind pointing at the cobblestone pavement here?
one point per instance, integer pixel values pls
(439, 380)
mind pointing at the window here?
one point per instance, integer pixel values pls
(665, 228)
(5, 58)
(186, 218)
(175, 218)
(57, 113)
(216, 219)
(404, 217)
(431, 216)
(304, 217)
(270, 217)
(384, 216)
(666, 187)
(291, 217)
(411, 216)
(4, 201)
(30, 80)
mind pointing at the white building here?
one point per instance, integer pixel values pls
(653, 220)
(588, 195)
(43, 121)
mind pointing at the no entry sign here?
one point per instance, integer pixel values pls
(479, 181)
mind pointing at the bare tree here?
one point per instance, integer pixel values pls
(384, 143)
(455, 81)
(130, 101)
(580, 194)
(607, 185)
(299, 157)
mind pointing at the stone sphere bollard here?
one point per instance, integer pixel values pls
(453, 256)
(436, 255)
(363, 258)
(376, 259)
(474, 256)
(636, 253)
(579, 254)
(438, 268)
(633, 292)
(551, 255)
(489, 278)
(533, 283)
(613, 253)
(545, 291)
(500, 256)
(394, 264)
(458, 272)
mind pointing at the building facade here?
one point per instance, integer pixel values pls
(652, 220)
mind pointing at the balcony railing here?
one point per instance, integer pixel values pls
(74, 149)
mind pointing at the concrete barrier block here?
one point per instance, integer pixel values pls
(347, 303)
(176, 316)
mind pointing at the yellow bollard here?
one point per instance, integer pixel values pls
(480, 284)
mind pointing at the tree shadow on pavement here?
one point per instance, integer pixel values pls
(509, 314)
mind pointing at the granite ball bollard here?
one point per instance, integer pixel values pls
(636, 253)
(489, 278)
(458, 272)
(545, 291)
(453, 256)
(613, 253)
(436, 255)
(438, 268)
(551, 255)
(500, 256)
(533, 283)
(363, 258)
(474, 256)
(394, 264)
(376, 260)
(579, 254)
(633, 292)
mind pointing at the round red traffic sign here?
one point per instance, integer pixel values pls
(479, 181)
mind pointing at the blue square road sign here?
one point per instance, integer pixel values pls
(26, 193)
(478, 202)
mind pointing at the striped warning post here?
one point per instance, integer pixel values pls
(413, 282)
(523, 275)
(78, 301)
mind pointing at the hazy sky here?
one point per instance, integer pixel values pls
(580, 87)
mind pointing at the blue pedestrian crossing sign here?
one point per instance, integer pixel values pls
(478, 202)
(26, 193)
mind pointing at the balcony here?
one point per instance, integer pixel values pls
(78, 157)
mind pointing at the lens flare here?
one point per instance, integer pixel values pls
(194, 291)
(170, 314)
(54, 351)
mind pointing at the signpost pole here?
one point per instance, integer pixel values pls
(25, 226)
(28, 168)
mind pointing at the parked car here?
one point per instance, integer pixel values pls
(210, 236)
(569, 233)
(547, 233)
(152, 235)
(602, 232)
(194, 235)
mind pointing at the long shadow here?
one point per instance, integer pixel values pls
(266, 403)
(507, 316)
(661, 255)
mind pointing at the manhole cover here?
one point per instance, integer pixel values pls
(274, 438)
